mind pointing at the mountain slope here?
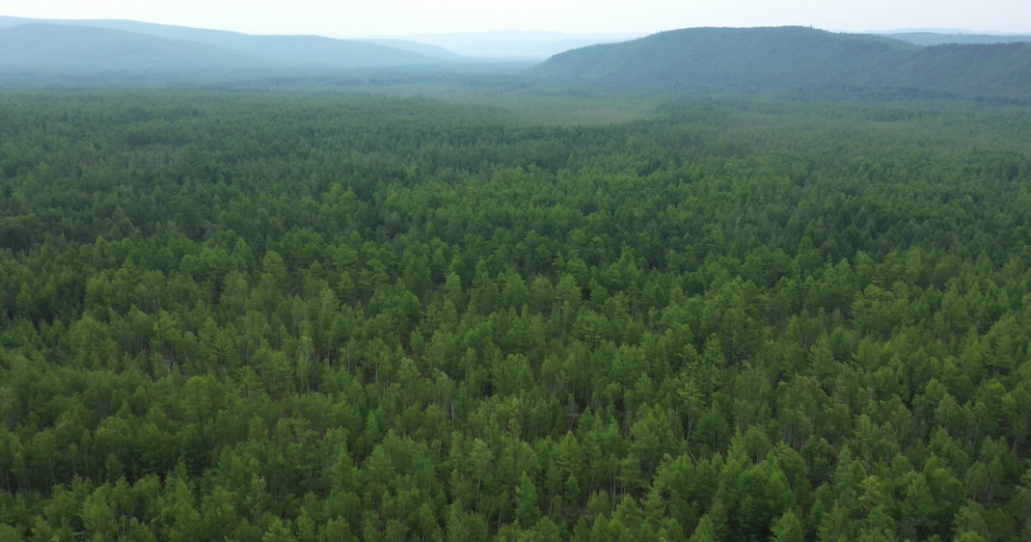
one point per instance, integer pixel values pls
(316, 50)
(794, 56)
(425, 49)
(928, 39)
(307, 50)
(510, 44)
(80, 49)
(724, 55)
(1002, 69)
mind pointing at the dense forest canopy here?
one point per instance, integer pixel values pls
(318, 317)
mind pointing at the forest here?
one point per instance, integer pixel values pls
(798, 57)
(308, 316)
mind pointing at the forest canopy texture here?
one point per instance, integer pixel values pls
(313, 317)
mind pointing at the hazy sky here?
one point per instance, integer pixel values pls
(361, 18)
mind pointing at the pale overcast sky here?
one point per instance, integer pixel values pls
(354, 18)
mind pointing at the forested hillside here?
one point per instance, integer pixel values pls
(300, 317)
(78, 50)
(83, 50)
(927, 39)
(796, 57)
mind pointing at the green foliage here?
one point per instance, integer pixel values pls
(788, 529)
(245, 316)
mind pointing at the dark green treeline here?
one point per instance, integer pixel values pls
(320, 318)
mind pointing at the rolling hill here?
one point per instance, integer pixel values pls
(299, 50)
(788, 57)
(515, 44)
(928, 39)
(39, 48)
(425, 49)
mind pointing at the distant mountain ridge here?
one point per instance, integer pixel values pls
(511, 44)
(930, 39)
(796, 56)
(78, 50)
(424, 49)
(774, 57)
(299, 50)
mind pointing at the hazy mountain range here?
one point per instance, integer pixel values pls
(787, 57)
(929, 39)
(300, 50)
(516, 44)
(781, 57)
(79, 50)
(430, 48)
